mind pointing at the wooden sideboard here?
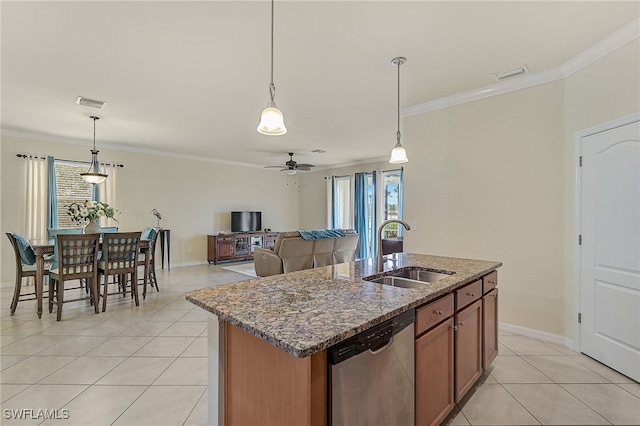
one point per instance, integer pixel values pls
(237, 246)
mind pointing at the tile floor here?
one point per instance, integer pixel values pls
(147, 366)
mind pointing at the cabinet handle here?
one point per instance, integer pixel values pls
(494, 295)
(461, 323)
(471, 294)
(439, 312)
(455, 327)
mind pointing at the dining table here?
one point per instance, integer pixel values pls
(42, 247)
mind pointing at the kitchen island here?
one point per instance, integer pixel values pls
(268, 337)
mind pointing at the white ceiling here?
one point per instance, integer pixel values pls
(191, 78)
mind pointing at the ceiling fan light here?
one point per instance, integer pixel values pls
(291, 172)
(272, 121)
(398, 155)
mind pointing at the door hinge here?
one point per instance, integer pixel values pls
(580, 239)
(580, 161)
(579, 318)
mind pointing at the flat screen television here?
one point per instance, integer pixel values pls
(246, 221)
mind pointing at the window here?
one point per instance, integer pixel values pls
(70, 188)
(391, 201)
(342, 214)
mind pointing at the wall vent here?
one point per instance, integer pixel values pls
(90, 102)
(510, 73)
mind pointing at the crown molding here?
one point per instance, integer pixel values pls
(613, 42)
(68, 141)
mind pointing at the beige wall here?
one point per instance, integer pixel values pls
(194, 197)
(484, 181)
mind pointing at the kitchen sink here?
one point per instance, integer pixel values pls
(420, 275)
(399, 282)
(410, 278)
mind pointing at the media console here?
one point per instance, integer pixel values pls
(237, 246)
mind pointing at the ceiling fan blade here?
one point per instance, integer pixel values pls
(306, 169)
(306, 165)
(273, 167)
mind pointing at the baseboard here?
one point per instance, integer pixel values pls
(7, 284)
(180, 265)
(536, 334)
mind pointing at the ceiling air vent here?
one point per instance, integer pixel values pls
(510, 73)
(90, 102)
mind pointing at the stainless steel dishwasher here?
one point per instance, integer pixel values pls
(372, 375)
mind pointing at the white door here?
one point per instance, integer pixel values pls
(610, 254)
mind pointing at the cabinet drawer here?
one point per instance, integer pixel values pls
(431, 314)
(468, 294)
(489, 282)
(226, 239)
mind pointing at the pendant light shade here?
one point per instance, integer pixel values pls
(398, 154)
(271, 119)
(93, 175)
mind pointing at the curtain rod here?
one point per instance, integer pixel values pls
(67, 161)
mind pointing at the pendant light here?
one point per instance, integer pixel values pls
(272, 120)
(93, 175)
(398, 154)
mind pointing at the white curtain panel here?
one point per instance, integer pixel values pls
(36, 211)
(329, 181)
(107, 192)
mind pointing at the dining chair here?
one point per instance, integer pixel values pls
(52, 233)
(75, 259)
(25, 267)
(146, 258)
(119, 260)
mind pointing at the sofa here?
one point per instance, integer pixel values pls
(292, 252)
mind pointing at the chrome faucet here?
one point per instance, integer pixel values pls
(379, 247)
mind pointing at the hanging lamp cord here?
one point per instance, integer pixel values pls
(398, 133)
(272, 87)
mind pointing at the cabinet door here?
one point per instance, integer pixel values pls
(434, 374)
(225, 248)
(468, 355)
(489, 327)
(242, 248)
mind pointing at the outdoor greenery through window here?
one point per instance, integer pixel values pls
(392, 199)
(70, 188)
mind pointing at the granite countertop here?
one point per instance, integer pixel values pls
(308, 311)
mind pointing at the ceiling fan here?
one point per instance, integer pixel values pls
(292, 167)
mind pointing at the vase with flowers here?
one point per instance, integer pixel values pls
(89, 213)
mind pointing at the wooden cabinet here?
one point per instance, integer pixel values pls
(456, 339)
(468, 348)
(489, 319)
(223, 248)
(234, 247)
(434, 374)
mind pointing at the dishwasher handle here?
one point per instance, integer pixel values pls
(381, 349)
